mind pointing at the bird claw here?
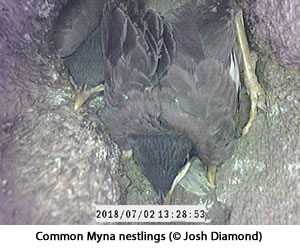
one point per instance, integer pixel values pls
(211, 175)
(126, 156)
(179, 177)
(98, 88)
(255, 91)
(84, 94)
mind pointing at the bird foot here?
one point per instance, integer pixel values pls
(182, 173)
(211, 175)
(98, 88)
(126, 156)
(84, 94)
(255, 91)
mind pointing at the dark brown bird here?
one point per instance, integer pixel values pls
(77, 39)
(171, 85)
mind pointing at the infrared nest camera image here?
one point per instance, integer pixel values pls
(149, 102)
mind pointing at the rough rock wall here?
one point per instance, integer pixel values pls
(275, 26)
(54, 165)
(260, 184)
(24, 71)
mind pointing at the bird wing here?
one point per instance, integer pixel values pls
(136, 55)
(198, 96)
(202, 106)
(160, 75)
(216, 25)
(204, 29)
(75, 23)
(86, 64)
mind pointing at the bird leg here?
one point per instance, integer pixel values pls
(84, 94)
(255, 91)
(181, 174)
(211, 175)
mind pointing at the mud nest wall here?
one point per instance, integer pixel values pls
(55, 164)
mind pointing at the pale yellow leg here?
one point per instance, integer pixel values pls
(255, 91)
(126, 156)
(182, 173)
(211, 175)
(98, 88)
(84, 94)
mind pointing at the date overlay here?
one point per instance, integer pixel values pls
(150, 213)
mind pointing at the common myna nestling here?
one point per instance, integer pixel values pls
(77, 39)
(172, 84)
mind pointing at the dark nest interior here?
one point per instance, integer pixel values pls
(56, 164)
